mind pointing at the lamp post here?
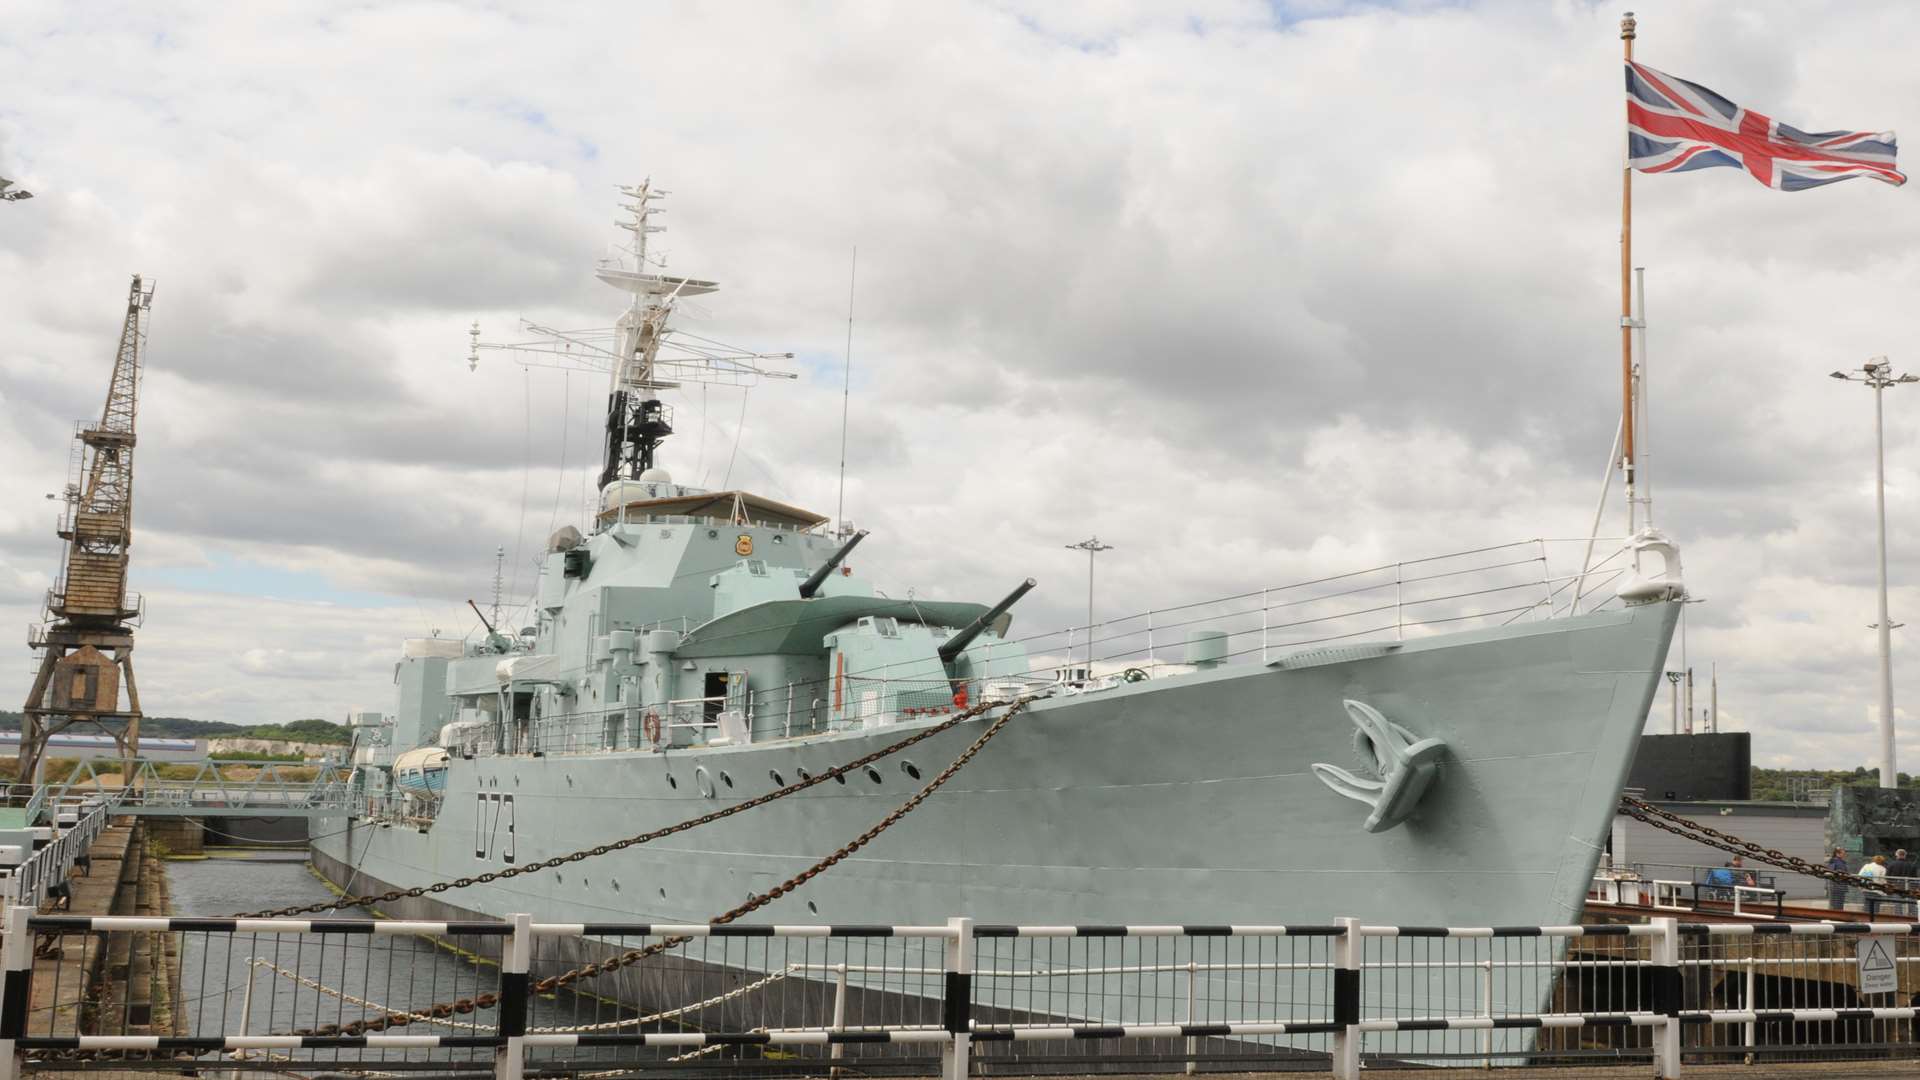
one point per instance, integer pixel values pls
(1092, 546)
(1879, 374)
(1673, 682)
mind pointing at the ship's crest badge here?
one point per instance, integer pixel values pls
(1407, 765)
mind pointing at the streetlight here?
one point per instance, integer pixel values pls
(1092, 546)
(14, 195)
(1878, 373)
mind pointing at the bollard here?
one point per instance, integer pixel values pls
(958, 1004)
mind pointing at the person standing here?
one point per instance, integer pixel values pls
(1875, 869)
(1900, 871)
(1837, 890)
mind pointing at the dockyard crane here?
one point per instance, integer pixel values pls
(85, 636)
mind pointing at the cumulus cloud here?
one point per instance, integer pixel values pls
(1257, 292)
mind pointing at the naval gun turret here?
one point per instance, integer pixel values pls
(958, 643)
(819, 577)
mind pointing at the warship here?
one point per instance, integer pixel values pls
(1438, 742)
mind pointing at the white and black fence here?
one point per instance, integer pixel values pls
(347, 995)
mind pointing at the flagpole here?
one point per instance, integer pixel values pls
(1626, 299)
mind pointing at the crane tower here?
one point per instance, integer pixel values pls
(85, 637)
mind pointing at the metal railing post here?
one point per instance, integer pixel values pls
(1346, 1000)
(1486, 1009)
(1667, 987)
(1193, 1043)
(957, 1007)
(16, 981)
(839, 1015)
(1747, 1003)
(510, 1061)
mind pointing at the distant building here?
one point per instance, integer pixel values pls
(69, 744)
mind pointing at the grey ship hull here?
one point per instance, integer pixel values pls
(1180, 800)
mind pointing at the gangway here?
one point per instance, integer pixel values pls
(211, 788)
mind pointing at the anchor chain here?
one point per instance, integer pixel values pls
(1646, 812)
(467, 1005)
(631, 841)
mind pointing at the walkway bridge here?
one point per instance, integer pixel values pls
(207, 789)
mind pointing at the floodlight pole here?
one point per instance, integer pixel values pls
(1878, 374)
(1092, 546)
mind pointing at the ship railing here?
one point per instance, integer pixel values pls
(685, 722)
(836, 997)
(626, 516)
(1484, 587)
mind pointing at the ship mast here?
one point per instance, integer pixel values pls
(637, 420)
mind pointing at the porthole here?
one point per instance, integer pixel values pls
(778, 780)
(713, 534)
(804, 774)
(873, 774)
(672, 783)
(725, 779)
(910, 769)
(663, 894)
(559, 878)
(813, 908)
(616, 884)
(703, 781)
(839, 778)
(778, 539)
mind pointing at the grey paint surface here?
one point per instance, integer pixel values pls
(1184, 799)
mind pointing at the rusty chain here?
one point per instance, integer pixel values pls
(467, 1005)
(631, 841)
(1646, 812)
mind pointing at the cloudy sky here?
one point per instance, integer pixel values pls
(1254, 291)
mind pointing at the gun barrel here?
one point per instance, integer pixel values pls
(819, 577)
(483, 618)
(958, 643)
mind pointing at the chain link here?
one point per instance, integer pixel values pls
(631, 841)
(1646, 812)
(467, 1005)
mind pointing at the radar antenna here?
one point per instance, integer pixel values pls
(88, 613)
(641, 353)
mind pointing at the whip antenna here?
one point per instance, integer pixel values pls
(846, 393)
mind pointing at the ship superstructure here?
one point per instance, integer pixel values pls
(1446, 757)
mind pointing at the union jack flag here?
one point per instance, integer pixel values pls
(1675, 126)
